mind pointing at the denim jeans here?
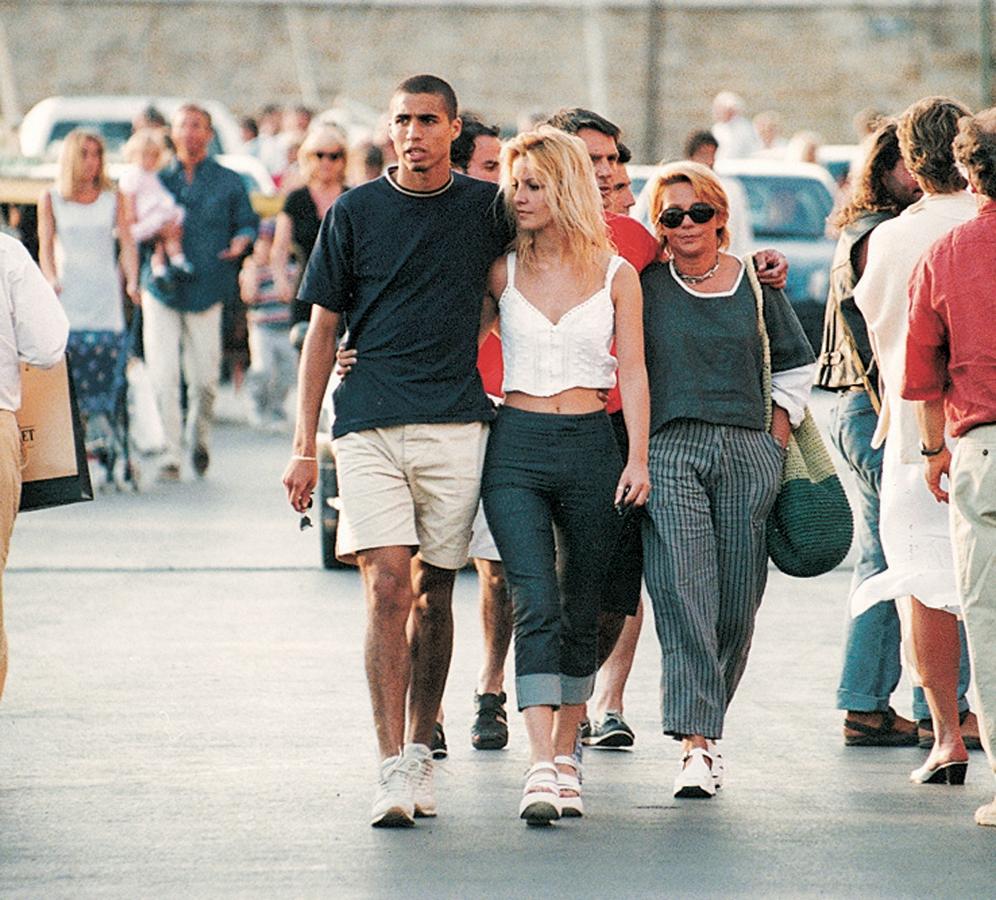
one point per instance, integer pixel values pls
(548, 488)
(872, 663)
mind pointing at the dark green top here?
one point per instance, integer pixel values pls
(704, 357)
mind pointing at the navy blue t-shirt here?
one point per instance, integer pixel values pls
(408, 273)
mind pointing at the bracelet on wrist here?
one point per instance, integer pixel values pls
(926, 451)
(305, 458)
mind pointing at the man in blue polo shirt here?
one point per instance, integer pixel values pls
(403, 260)
(182, 315)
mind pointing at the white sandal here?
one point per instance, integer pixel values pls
(571, 804)
(540, 804)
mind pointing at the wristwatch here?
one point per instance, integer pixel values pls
(924, 451)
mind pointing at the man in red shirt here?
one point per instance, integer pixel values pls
(951, 372)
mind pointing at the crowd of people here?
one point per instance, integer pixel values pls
(532, 379)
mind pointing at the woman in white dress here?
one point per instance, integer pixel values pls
(914, 528)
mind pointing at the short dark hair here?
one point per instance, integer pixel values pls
(575, 118)
(698, 139)
(430, 84)
(625, 154)
(462, 148)
(926, 133)
(194, 108)
(975, 149)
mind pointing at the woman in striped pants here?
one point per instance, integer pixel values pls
(714, 469)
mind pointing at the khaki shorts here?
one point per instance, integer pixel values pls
(411, 486)
(482, 544)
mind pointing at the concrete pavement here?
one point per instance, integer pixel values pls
(187, 715)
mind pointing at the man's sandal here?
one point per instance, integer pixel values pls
(885, 734)
(569, 784)
(540, 804)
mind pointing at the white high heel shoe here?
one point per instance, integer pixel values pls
(540, 804)
(571, 804)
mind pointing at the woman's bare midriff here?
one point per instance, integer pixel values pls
(572, 402)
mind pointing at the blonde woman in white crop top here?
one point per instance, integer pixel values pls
(553, 473)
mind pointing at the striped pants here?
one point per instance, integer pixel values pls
(705, 562)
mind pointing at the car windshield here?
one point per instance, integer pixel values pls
(114, 133)
(787, 207)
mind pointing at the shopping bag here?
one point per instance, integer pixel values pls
(145, 427)
(55, 471)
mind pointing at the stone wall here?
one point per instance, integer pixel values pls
(815, 63)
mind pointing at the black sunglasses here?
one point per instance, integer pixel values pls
(329, 154)
(699, 213)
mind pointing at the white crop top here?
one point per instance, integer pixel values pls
(542, 358)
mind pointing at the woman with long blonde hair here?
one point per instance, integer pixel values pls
(79, 219)
(553, 472)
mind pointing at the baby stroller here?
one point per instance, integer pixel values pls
(98, 362)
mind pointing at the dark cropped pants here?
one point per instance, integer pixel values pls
(548, 489)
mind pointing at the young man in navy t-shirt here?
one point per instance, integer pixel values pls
(403, 261)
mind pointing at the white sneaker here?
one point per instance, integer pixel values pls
(695, 778)
(718, 766)
(423, 789)
(394, 804)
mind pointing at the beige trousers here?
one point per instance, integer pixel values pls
(10, 498)
(973, 530)
(191, 341)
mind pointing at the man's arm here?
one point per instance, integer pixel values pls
(244, 224)
(317, 356)
(41, 327)
(930, 420)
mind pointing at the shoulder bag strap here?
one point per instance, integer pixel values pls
(763, 334)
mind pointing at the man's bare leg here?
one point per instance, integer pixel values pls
(615, 671)
(430, 635)
(610, 626)
(496, 624)
(387, 586)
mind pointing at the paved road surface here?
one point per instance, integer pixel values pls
(187, 716)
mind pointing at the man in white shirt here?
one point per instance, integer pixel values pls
(33, 329)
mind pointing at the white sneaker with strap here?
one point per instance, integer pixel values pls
(695, 778)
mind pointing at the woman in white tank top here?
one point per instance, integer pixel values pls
(553, 473)
(79, 219)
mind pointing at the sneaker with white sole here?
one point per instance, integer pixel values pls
(394, 803)
(695, 778)
(610, 732)
(423, 787)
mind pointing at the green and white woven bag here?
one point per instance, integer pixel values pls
(810, 527)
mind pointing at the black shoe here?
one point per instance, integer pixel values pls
(490, 728)
(584, 731)
(201, 459)
(611, 731)
(438, 747)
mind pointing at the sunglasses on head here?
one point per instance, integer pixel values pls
(328, 154)
(699, 213)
